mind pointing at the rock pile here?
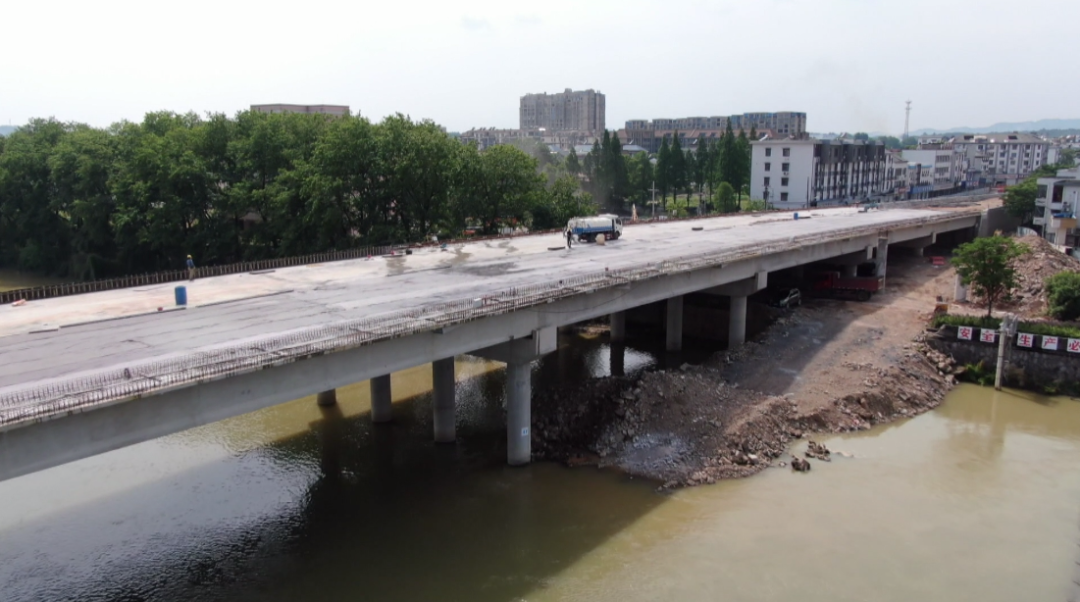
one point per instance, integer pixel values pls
(1032, 270)
(818, 451)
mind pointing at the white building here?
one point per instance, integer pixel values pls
(1007, 159)
(801, 173)
(1059, 199)
(947, 166)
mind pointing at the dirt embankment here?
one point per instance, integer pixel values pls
(829, 366)
(1032, 269)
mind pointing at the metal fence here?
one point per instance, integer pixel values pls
(40, 401)
(78, 288)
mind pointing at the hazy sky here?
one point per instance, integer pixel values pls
(849, 64)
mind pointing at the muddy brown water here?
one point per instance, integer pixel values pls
(978, 500)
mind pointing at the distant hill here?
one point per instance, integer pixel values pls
(1021, 126)
(6, 130)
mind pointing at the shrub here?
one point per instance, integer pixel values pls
(1055, 330)
(1063, 295)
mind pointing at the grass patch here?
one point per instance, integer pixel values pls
(1039, 328)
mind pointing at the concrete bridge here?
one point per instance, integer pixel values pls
(87, 374)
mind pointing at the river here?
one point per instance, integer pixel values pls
(977, 500)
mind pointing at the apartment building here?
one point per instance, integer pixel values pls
(1059, 199)
(897, 182)
(649, 134)
(808, 171)
(1005, 158)
(568, 111)
(947, 166)
(487, 137)
(335, 110)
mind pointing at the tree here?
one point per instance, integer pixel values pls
(641, 176)
(1063, 295)
(986, 265)
(861, 136)
(891, 142)
(753, 133)
(663, 169)
(677, 171)
(702, 162)
(573, 166)
(1067, 158)
(725, 196)
(1020, 199)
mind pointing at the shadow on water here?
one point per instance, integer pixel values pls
(342, 510)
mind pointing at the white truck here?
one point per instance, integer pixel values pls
(588, 228)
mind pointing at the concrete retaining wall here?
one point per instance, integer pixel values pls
(1033, 368)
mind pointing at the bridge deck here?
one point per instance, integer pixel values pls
(113, 328)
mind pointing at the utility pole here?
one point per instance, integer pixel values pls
(1005, 334)
(907, 118)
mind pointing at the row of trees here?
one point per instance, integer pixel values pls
(87, 202)
(615, 180)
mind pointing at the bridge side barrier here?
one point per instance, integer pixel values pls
(93, 286)
(40, 401)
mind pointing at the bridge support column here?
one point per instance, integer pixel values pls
(850, 271)
(382, 408)
(618, 359)
(674, 325)
(737, 322)
(882, 259)
(518, 355)
(737, 292)
(618, 326)
(442, 377)
(327, 398)
(518, 413)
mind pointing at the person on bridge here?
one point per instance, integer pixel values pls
(569, 238)
(190, 268)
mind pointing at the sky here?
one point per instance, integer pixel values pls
(849, 64)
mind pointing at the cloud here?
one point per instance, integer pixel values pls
(475, 24)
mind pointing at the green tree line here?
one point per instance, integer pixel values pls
(88, 202)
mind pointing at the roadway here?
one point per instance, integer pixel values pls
(60, 337)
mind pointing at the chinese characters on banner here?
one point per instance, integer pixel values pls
(987, 336)
(1025, 340)
(1050, 343)
(1074, 346)
(964, 332)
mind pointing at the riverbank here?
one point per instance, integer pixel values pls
(827, 367)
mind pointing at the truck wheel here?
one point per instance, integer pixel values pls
(864, 296)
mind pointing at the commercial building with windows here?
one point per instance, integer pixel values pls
(799, 173)
(336, 110)
(568, 111)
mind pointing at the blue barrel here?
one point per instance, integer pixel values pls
(796, 215)
(181, 295)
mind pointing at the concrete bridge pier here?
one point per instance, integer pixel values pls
(442, 385)
(518, 355)
(326, 398)
(882, 259)
(738, 292)
(617, 321)
(674, 323)
(618, 359)
(382, 402)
